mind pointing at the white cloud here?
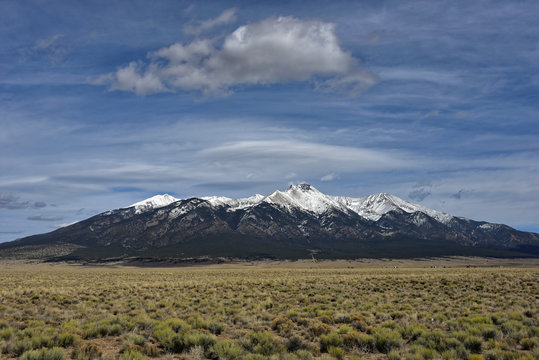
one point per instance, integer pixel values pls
(413, 74)
(44, 218)
(305, 158)
(432, 113)
(274, 50)
(226, 17)
(329, 177)
(49, 48)
(130, 78)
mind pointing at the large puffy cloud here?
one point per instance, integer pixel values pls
(274, 50)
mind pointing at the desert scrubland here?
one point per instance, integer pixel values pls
(444, 309)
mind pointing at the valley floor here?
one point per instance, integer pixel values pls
(459, 308)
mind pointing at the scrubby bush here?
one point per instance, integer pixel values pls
(295, 343)
(492, 355)
(133, 355)
(303, 355)
(19, 346)
(228, 350)
(328, 340)
(326, 319)
(511, 327)
(255, 357)
(319, 329)
(150, 350)
(422, 352)
(489, 332)
(365, 342)
(199, 339)
(135, 339)
(197, 322)
(433, 340)
(216, 327)
(474, 344)
(176, 325)
(336, 352)
(413, 332)
(87, 351)
(96, 329)
(264, 343)
(5, 333)
(282, 325)
(342, 318)
(387, 339)
(345, 329)
(528, 344)
(44, 354)
(67, 340)
(359, 322)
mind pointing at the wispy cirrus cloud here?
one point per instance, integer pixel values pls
(421, 190)
(11, 202)
(271, 51)
(226, 17)
(44, 218)
(329, 177)
(49, 48)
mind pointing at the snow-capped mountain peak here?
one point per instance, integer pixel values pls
(300, 219)
(154, 202)
(374, 206)
(306, 197)
(234, 204)
(302, 187)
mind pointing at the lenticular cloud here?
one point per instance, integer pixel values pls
(274, 50)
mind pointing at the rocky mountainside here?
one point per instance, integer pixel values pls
(300, 222)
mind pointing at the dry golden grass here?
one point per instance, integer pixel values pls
(333, 310)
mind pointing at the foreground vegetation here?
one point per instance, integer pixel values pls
(260, 313)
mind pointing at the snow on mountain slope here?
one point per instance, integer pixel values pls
(154, 202)
(307, 198)
(234, 204)
(372, 207)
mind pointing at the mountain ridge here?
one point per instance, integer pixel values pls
(370, 206)
(296, 223)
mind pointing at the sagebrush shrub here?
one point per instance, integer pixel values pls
(133, 355)
(264, 343)
(87, 351)
(44, 354)
(336, 352)
(387, 339)
(474, 344)
(282, 325)
(320, 329)
(227, 350)
(328, 340)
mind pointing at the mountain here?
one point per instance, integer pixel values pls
(297, 223)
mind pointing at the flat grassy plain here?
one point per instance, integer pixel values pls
(287, 310)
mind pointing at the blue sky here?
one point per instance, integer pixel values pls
(103, 104)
